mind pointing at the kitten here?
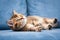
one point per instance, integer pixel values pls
(19, 22)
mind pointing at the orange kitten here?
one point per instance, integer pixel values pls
(31, 23)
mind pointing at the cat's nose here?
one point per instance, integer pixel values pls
(10, 23)
(55, 20)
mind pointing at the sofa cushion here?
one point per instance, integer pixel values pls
(44, 8)
(53, 34)
(6, 8)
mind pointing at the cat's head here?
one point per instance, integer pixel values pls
(17, 21)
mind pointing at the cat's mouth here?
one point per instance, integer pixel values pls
(10, 23)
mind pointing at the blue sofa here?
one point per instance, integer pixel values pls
(44, 8)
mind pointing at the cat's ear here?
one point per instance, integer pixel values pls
(14, 12)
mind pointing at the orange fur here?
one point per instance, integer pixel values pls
(30, 23)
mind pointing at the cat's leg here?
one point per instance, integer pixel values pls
(31, 27)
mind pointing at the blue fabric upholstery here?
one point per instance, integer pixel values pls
(6, 8)
(53, 34)
(44, 8)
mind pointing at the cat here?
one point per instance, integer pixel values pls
(19, 22)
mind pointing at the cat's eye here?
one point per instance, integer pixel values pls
(19, 19)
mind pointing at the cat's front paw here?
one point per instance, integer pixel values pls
(38, 29)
